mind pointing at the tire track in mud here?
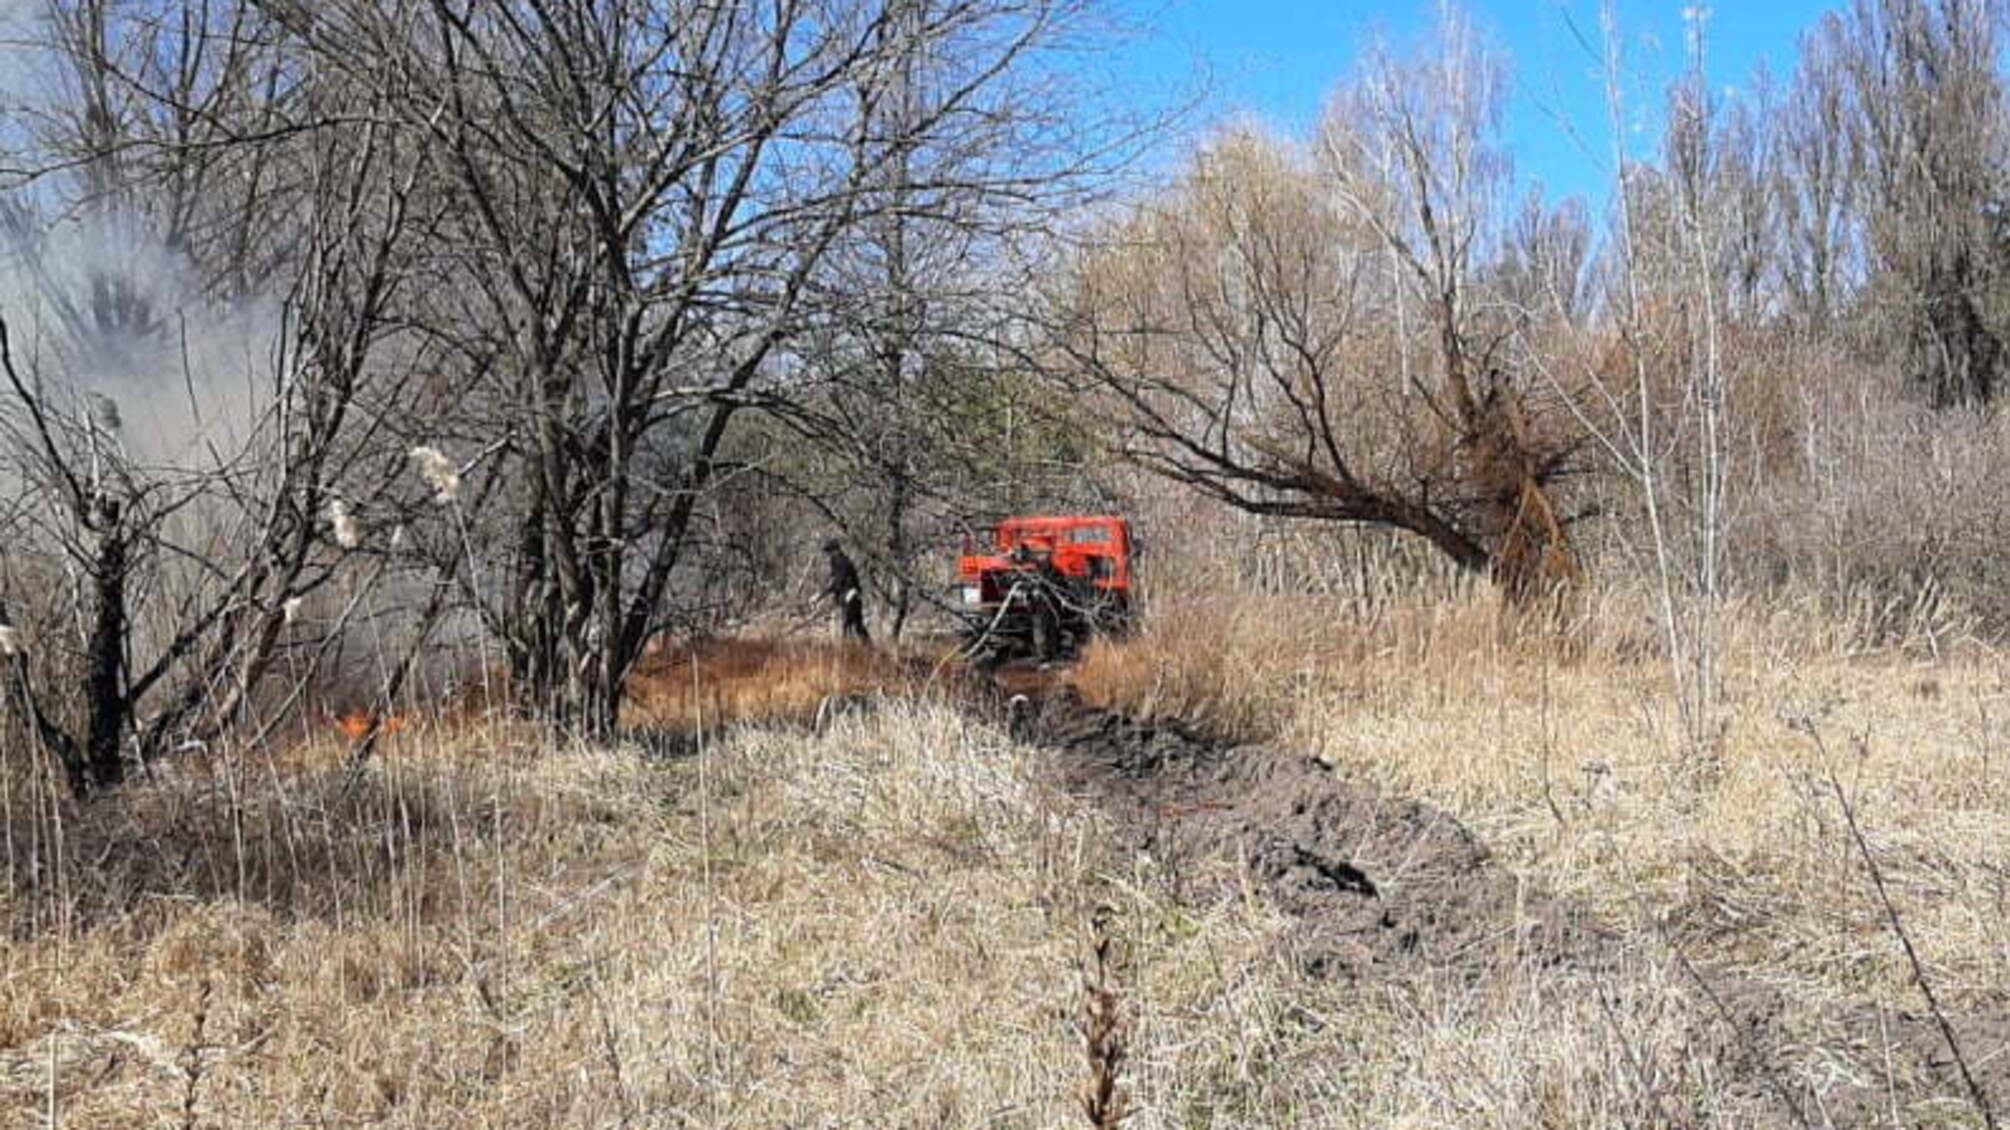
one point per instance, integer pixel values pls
(1386, 888)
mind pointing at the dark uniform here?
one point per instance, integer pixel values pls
(846, 590)
(1043, 593)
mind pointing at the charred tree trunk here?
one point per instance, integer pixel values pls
(109, 706)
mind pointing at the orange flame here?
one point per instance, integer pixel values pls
(355, 724)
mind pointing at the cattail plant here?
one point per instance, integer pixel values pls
(1105, 1034)
(348, 532)
(439, 473)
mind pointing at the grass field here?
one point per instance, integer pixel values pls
(886, 923)
(1569, 758)
(1567, 754)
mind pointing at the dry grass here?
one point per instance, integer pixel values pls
(880, 926)
(772, 680)
(782, 927)
(886, 924)
(1564, 752)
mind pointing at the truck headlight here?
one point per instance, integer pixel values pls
(972, 594)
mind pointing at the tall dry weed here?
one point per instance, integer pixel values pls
(871, 926)
(1559, 745)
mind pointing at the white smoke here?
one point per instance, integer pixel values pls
(101, 313)
(112, 328)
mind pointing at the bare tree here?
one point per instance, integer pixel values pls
(1928, 126)
(1543, 268)
(193, 540)
(1815, 181)
(1310, 335)
(166, 123)
(1689, 268)
(648, 193)
(921, 414)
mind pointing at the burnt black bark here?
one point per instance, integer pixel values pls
(110, 706)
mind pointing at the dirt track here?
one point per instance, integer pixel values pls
(1383, 887)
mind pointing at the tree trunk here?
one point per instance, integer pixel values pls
(1960, 353)
(900, 593)
(107, 654)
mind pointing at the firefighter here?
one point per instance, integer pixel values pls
(1043, 594)
(846, 591)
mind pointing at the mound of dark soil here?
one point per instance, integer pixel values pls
(1377, 882)
(1384, 887)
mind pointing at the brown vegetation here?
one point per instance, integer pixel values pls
(343, 778)
(884, 922)
(1563, 751)
(880, 924)
(753, 680)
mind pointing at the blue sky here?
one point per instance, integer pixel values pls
(1279, 59)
